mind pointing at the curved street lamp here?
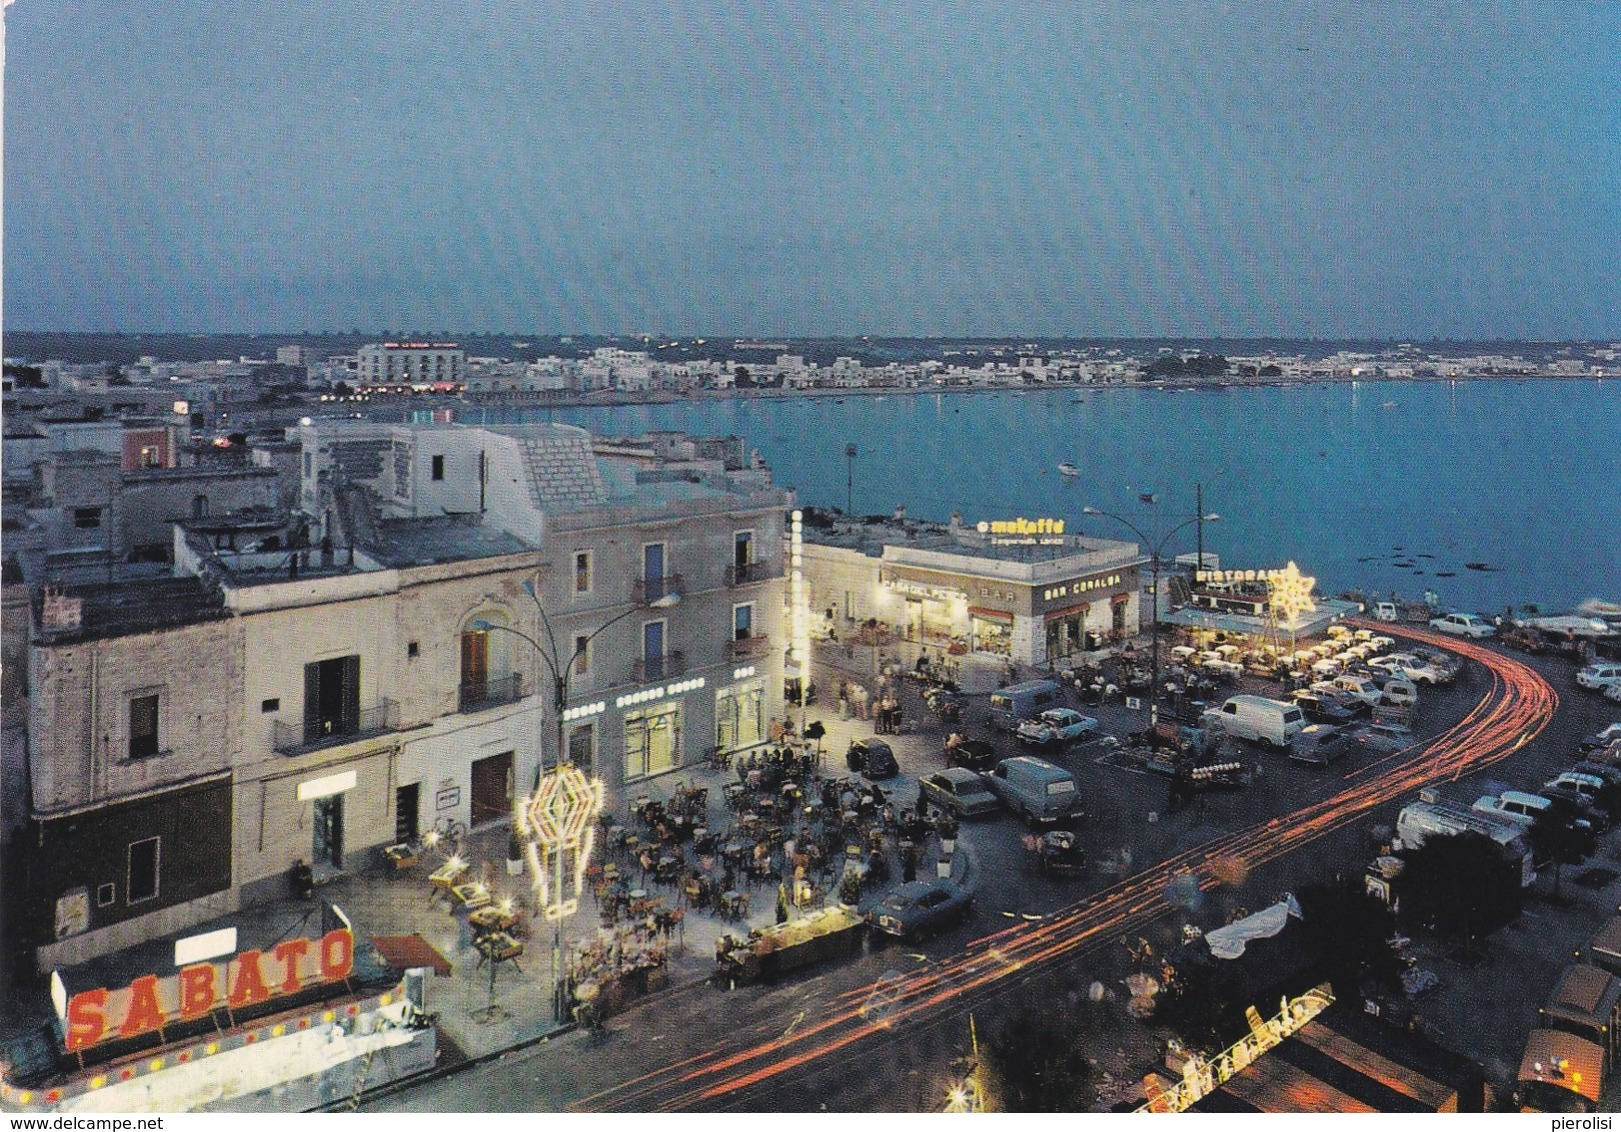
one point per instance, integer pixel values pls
(1153, 684)
(549, 652)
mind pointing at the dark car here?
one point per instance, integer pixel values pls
(873, 758)
(921, 907)
(1601, 739)
(975, 754)
(1321, 745)
(1323, 709)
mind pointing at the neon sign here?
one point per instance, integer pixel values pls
(152, 1002)
(1023, 532)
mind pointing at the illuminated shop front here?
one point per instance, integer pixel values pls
(1024, 589)
(740, 714)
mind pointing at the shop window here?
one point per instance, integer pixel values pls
(582, 571)
(143, 726)
(739, 719)
(652, 741)
(150, 457)
(142, 883)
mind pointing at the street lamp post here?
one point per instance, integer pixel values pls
(1153, 680)
(560, 673)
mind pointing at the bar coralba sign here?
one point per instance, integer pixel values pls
(153, 1001)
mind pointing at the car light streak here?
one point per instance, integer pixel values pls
(1518, 706)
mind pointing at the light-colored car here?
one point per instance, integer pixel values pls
(1601, 675)
(1399, 693)
(959, 790)
(1613, 692)
(1409, 668)
(1463, 625)
(1056, 725)
(921, 907)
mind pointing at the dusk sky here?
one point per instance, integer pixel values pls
(1406, 170)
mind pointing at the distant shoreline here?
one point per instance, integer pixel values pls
(1180, 385)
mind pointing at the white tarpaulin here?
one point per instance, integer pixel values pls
(1229, 942)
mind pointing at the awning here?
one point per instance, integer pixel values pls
(408, 951)
(990, 614)
(1120, 599)
(1068, 611)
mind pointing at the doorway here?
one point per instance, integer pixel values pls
(328, 846)
(492, 788)
(406, 822)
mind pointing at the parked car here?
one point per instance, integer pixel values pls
(975, 754)
(921, 907)
(1362, 687)
(873, 758)
(1526, 810)
(1613, 692)
(1323, 709)
(1056, 725)
(1599, 676)
(1409, 667)
(1463, 625)
(959, 790)
(1399, 693)
(1321, 745)
(1383, 738)
(1583, 792)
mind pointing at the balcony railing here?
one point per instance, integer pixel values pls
(666, 667)
(753, 572)
(298, 738)
(491, 693)
(645, 591)
(745, 648)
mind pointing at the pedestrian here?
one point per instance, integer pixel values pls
(782, 903)
(909, 864)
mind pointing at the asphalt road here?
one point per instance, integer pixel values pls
(812, 1042)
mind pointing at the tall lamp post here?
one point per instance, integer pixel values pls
(1153, 680)
(565, 802)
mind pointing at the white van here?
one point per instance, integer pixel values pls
(1258, 719)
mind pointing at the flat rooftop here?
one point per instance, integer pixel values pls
(871, 535)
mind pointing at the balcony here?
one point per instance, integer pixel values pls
(489, 694)
(645, 591)
(666, 667)
(750, 648)
(301, 738)
(752, 572)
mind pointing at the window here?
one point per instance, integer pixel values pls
(199, 507)
(582, 746)
(742, 550)
(582, 654)
(743, 621)
(652, 741)
(653, 642)
(87, 518)
(412, 650)
(143, 726)
(150, 457)
(142, 883)
(438, 467)
(106, 895)
(268, 706)
(582, 571)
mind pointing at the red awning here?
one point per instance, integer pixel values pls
(989, 614)
(1120, 599)
(1068, 610)
(408, 951)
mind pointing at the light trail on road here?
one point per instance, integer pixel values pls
(1517, 706)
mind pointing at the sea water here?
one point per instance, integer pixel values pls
(1379, 486)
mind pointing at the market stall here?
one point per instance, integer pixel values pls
(768, 952)
(619, 965)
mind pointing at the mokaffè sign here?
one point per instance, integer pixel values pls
(1023, 532)
(152, 1002)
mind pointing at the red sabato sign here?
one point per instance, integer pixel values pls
(152, 1002)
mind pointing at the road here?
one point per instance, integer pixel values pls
(899, 1015)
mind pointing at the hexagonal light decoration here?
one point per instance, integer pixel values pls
(559, 822)
(1291, 593)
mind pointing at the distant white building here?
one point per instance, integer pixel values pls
(400, 365)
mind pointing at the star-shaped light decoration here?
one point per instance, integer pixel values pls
(559, 822)
(1291, 593)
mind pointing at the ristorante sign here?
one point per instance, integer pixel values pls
(152, 1002)
(1023, 532)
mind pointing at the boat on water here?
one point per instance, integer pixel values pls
(1068, 469)
(1388, 405)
